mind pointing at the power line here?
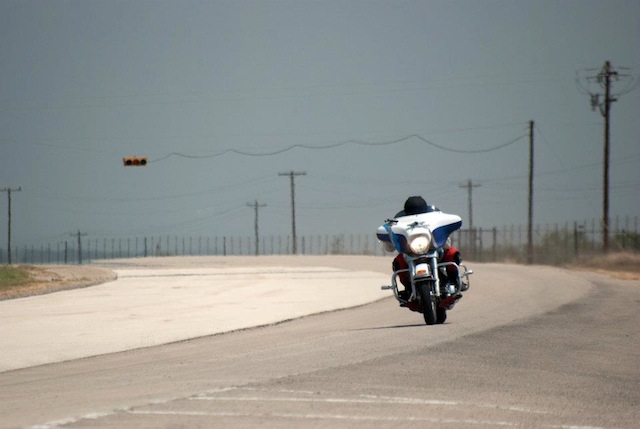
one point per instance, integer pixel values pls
(335, 145)
(63, 143)
(82, 147)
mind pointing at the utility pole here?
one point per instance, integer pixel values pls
(255, 206)
(470, 185)
(8, 191)
(530, 217)
(292, 175)
(78, 234)
(603, 78)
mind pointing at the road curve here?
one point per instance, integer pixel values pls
(526, 347)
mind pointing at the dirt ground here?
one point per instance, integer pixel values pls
(54, 278)
(622, 266)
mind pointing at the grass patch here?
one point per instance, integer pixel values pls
(621, 265)
(12, 277)
(613, 261)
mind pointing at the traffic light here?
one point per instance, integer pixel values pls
(134, 161)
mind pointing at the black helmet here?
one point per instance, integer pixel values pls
(415, 205)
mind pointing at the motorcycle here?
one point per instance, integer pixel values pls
(419, 239)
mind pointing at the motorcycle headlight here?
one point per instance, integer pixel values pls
(420, 244)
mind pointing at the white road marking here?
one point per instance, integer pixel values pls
(346, 417)
(322, 416)
(327, 400)
(364, 399)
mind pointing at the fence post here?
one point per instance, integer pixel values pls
(494, 245)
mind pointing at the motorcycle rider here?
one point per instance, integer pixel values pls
(448, 253)
(417, 205)
(412, 206)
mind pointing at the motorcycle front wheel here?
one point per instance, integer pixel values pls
(427, 301)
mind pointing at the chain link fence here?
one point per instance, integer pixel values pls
(552, 244)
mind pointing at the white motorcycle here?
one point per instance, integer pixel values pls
(420, 238)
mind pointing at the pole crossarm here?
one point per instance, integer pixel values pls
(469, 186)
(602, 102)
(256, 206)
(471, 237)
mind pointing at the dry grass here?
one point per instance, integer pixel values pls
(623, 266)
(20, 281)
(13, 277)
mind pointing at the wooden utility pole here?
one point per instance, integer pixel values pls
(8, 191)
(255, 206)
(78, 234)
(470, 185)
(292, 175)
(471, 238)
(604, 78)
(530, 217)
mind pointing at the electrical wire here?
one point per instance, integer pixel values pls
(335, 145)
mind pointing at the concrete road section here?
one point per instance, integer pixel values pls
(156, 301)
(527, 347)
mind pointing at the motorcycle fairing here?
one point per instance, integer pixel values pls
(393, 238)
(402, 234)
(441, 226)
(384, 233)
(441, 234)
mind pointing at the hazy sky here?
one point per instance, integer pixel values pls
(84, 83)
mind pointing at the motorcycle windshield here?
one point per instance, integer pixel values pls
(441, 224)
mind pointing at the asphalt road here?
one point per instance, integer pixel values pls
(526, 347)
